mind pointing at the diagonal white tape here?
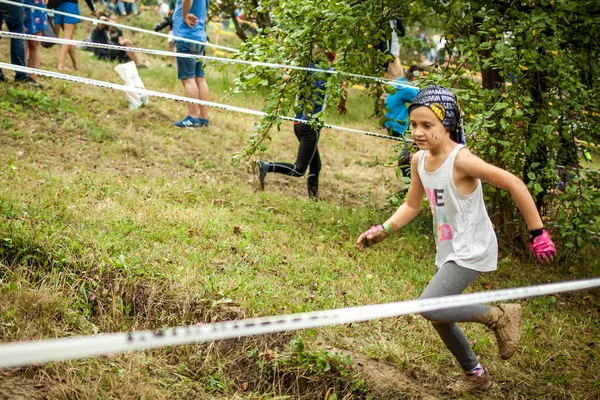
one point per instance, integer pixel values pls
(579, 169)
(35, 352)
(219, 59)
(131, 28)
(124, 88)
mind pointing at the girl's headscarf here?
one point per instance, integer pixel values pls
(444, 105)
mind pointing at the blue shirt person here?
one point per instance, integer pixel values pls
(396, 104)
(396, 116)
(189, 22)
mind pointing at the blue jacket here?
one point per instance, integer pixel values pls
(396, 115)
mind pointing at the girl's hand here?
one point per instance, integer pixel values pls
(374, 235)
(543, 247)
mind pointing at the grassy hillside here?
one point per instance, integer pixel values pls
(113, 220)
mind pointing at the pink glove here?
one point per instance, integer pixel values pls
(374, 235)
(542, 246)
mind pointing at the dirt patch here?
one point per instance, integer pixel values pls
(20, 388)
(383, 379)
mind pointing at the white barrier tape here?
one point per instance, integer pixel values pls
(579, 169)
(225, 60)
(163, 53)
(73, 42)
(131, 28)
(147, 92)
(35, 352)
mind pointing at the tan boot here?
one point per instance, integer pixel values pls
(505, 321)
(471, 382)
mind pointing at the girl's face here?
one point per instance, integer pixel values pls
(426, 129)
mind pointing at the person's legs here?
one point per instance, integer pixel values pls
(171, 48)
(451, 279)
(203, 94)
(68, 24)
(306, 151)
(34, 56)
(2, 79)
(13, 16)
(69, 31)
(121, 8)
(314, 169)
(187, 72)
(190, 89)
(133, 56)
(72, 55)
(133, 8)
(504, 320)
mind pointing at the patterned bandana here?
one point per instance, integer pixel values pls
(444, 105)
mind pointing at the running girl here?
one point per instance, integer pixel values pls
(451, 176)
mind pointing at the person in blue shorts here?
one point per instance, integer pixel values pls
(68, 25)
(35, 22)
(189, 22)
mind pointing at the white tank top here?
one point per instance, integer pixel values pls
(462, 228)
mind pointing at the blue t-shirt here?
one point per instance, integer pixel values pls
(318, 104)
(396, 116)
(198, 32)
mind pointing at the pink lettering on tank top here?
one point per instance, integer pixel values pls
(442, 229)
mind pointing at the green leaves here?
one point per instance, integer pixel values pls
(525, 75)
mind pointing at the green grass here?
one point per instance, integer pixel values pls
(112, 220)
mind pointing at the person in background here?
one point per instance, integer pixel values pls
(189, 22)
(170, 41)
(126, 7)
(164, 8)
(105, 34)
(34, 22)
(166, 11)
(68, 24)
(308, 156)
(13, 16)
(396, 115)
(391, 47)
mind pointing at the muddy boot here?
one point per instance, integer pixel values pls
(505, 321)
(470, 382)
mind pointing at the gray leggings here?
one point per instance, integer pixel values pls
(451, 279)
